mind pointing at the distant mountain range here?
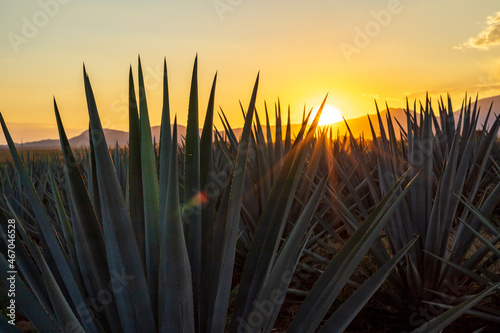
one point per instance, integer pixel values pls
(357, 125)
(112, 137)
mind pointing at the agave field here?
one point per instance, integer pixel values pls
(394, 231)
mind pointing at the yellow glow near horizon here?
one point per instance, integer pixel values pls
(330, 115)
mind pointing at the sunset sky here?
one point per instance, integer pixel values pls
(354, 50)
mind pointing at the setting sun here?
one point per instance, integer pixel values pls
(331, 114)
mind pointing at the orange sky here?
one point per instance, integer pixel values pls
(355, 51)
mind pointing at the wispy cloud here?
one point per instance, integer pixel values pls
(490, 36)
(3, 60)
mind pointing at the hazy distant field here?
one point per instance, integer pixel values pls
(5, 155)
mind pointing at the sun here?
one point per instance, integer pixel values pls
(331, 114)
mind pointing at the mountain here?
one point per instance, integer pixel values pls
(112, 137)
(81, 140)
(357, 125)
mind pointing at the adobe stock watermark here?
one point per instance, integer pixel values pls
(364, 35)
(264, 308)
(31, 26)
(423, 313)
(224, 6)
(104, 297)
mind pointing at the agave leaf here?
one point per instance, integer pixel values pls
(262, 174)
(133, 302)
(339, 321)
(477, 314)
(136, 199)
(165, 141)
(270, 149)
(446, 318)
(192, 190)
(89, 241)
(228, 132)
(63, 219)
(263, 162)
(118, 166)
(207, 187)
(288, 133)
(150, 194)
(478, 278)
(219, 230)
(232, 222)
(67, 319)
(93, 188)
(176, 289)
(278, 138)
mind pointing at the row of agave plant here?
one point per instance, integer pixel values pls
(211, 233)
